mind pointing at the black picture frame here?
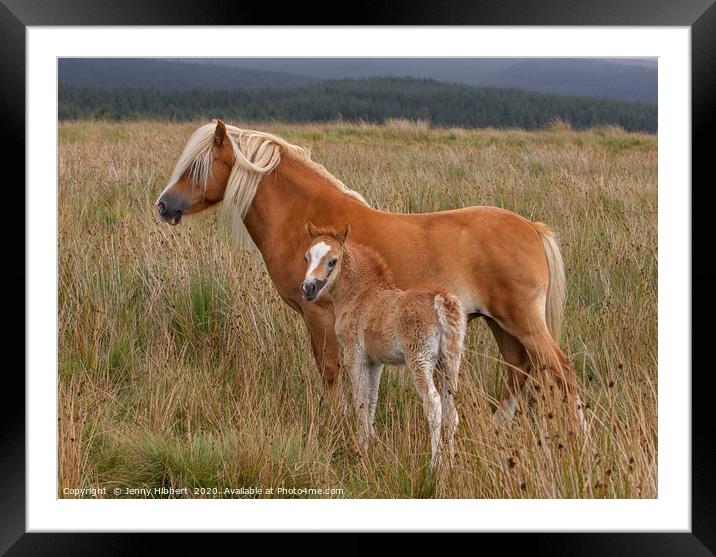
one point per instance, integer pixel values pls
(699, 15)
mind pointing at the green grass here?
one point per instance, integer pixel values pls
(180, 367)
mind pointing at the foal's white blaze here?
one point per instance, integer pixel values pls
(316, 255)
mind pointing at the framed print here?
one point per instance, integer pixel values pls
(182, 377)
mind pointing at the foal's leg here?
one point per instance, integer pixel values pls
(450, 418)
(422, 367)
(517, 367)
(375, 371)
(355, 361)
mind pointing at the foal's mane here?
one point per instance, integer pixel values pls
(256, 154)
(377, 264)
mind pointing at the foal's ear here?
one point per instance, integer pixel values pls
(311, 229)
(220, 133)
(343, 234)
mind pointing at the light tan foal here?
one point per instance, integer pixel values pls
(379, 324)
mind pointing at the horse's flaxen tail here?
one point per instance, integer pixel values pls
(453, 323)
(556, 291)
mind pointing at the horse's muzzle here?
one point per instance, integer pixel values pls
(311, 288)
(170, 208)
(172, 217)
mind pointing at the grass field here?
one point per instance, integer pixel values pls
(180, 367)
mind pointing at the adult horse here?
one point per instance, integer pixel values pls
(500, 265)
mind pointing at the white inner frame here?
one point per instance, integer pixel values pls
(671, 511)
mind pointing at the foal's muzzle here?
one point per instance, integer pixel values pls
(311, 288)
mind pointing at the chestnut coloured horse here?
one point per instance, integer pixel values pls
(501, 266)
(378, 324)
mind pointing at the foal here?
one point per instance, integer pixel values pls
(378, 324)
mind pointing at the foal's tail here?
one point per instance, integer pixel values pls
(556, 291)
(453, 323)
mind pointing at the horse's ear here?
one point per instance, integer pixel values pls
(311, 229)
(343, 234)
(220, 133)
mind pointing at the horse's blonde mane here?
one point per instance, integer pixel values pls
(256, 154)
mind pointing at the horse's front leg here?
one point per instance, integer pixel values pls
(324, 344)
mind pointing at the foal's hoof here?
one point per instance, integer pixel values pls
(501, 420)
(580, 416)
(339, 407)
(440, 464)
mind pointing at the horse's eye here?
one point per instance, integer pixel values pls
(332, 263)
(306, 258)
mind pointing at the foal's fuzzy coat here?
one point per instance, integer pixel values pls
(378, 324)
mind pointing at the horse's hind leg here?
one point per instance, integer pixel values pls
(548, 356)
(544, 353)
(555, 365)
(517, 367)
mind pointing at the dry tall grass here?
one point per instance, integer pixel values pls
(180, 367)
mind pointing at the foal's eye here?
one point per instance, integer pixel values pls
(306, 258)
(332, 263)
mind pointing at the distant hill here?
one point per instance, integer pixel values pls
(580, 77)
(628, 79)
(371, 100)
(169, 74)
